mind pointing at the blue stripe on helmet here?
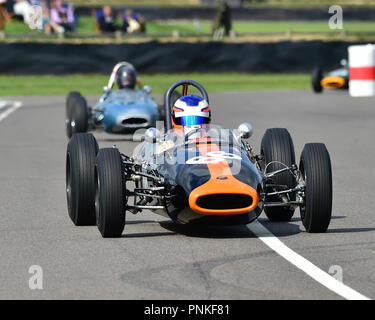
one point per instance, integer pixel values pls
(191, 100)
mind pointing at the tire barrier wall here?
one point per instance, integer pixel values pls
(37, 58)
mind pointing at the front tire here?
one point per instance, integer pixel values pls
(316, 79)
(70, 100)
(277, 145)
(315, 166)
(77, 114)
(80, 181)
(110, 193)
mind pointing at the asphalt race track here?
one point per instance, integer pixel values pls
(156, 259)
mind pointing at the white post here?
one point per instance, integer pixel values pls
(362, 70)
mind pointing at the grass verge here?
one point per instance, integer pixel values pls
(93, 84)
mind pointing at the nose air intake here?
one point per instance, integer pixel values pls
(333, 82)
(134, 121)
(224, 201)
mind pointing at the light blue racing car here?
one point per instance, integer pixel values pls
(118, 111)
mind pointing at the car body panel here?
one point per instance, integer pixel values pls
(198, 168)
(336, 79)
(119, 111)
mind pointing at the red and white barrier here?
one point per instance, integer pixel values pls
(362, 70)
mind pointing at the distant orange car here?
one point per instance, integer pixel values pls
(336, 79)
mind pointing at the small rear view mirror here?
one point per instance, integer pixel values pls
(246, 130)
(147, 89)
(152, 135)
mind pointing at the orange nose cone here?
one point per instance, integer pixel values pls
(333, 82)
(223, 195)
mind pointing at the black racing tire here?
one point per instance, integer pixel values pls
(70, 101)
(70, 98)
(316, 79)
(77, 114)
(80, 178)
(277, 145)
(315, 166)
(110, 195)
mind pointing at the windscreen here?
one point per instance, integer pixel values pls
(191, 135)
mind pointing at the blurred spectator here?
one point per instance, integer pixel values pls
(106, 20)
(4, 15)
(43, 3)
(48, 25)
(9, 6)
(223, 20)
(62, 15)
(133, 22)
(24, 9)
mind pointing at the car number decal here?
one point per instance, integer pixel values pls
(164, 146)
(213, 157)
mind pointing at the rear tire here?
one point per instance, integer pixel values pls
(315, 166)
(77, 114)
(80, 181)
(277, 145)
(316, 79)
(110, 193)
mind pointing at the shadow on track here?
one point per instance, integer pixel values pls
(214, 232)
(140, 221)
(349, 230)
(148, 234)
(207, 231)
(279, 229)
(296, 219)
(145, 234)
(282, 229)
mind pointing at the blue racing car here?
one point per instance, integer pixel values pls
(118, 111)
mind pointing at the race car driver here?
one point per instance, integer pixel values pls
(126, 78)
(190, 112)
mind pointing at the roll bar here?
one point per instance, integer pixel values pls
(185, 83)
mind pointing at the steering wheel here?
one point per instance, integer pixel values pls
(185, 83)
(193, 131)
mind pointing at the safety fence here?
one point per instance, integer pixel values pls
(153, 56)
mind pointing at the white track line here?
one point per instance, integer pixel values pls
(14, 106)
(268, 238)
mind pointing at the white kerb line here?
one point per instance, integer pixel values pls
(325, 279)
(11, 109)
